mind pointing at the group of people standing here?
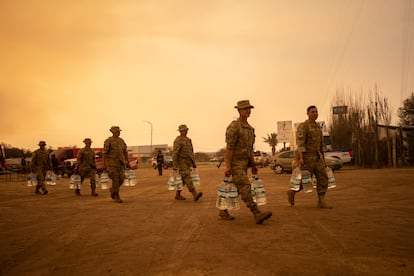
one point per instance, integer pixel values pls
(240, 139)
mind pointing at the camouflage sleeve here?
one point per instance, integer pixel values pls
(107, 144)
(176, 148)
(79, 158)
(33, 163)
(231, 135)
(49, 163)
(301, 137)
(94, 159)
(322, 144)
(125, 148)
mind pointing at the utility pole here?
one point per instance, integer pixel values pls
(376, 135)
(148, 122)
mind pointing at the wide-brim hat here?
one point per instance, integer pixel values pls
(42, 143)
(114, 129)
(182, 128)
(87, 140)
(243, 104)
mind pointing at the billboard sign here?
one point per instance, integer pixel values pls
(340, 109)
(283, 131)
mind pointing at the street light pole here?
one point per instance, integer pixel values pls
(148, 122)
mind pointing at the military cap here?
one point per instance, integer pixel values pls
(42, 143)
(115, 129)
(87, 140)
(182, 128)
(243, 104)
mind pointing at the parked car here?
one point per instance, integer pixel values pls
(168, 162)
(344, 155)
(282, 162)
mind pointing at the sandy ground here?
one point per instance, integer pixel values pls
(369, 232)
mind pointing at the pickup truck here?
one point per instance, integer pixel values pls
(344, 155)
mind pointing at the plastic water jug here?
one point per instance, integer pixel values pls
(221, 202)
(258, 190)
(132, 178)
(50, 178)
(331, 178)
(126, 180)
(178, 182)
(195, 178)
(306, 180)
(104, 180)
(232, 196)
(31, 180)
(296, 179)
(75, 181)
(314, 181)
(97, 180)
(171, 183)
(175, 182)
(53, 179)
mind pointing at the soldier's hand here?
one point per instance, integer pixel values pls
(227, 172)
(194, 165)
(255, 170)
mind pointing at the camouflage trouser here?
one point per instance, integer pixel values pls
(316, 166)
(240, 179)
(184, 169)
(41, 175)
(88, 174)
(117, 175)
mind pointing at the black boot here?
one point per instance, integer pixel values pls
(291, 197)
(178, 196)
(260, 217)
(37, 191)
(321, 202)
(117, 198)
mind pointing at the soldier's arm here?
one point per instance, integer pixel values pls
(300, 140)
(176, 149)
(227, 159)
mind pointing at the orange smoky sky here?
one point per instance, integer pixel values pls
(71, 69)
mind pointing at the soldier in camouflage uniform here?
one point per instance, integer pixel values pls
(183, 160)
(86, 165)
(239, 156)
(311, 155)
(115, 157)
(40, 164)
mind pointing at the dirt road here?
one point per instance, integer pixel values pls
(370, 231)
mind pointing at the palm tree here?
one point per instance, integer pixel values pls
(271, 139)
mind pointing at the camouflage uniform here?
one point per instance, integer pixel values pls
(87, 167)
(115, 150)
(240, 138)
(310, 148)
(40, 164)
(310, 143)
(183, 160)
